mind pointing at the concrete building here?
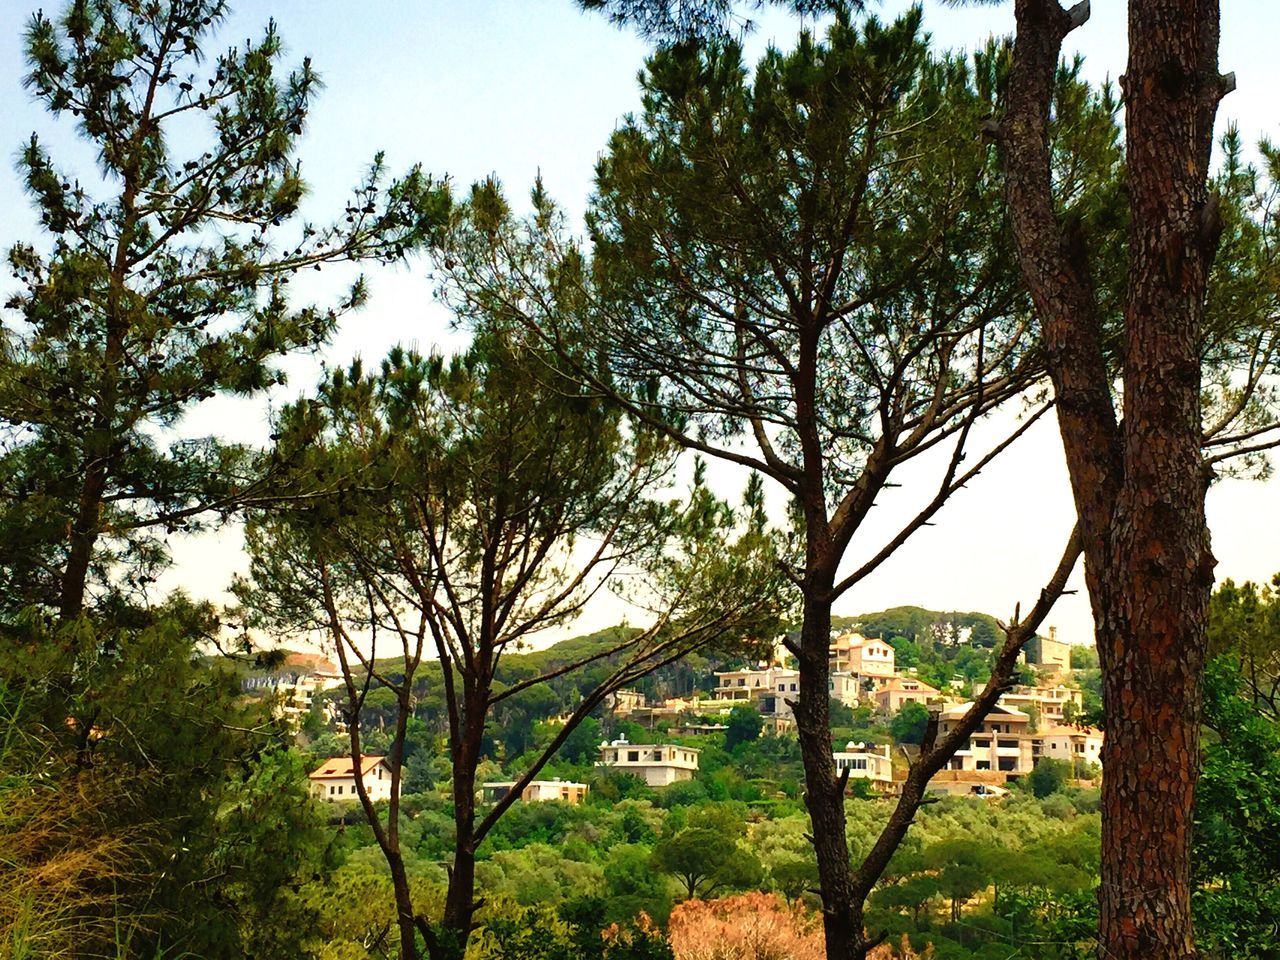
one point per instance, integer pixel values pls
(536, 791)
(1050, 702)
(865, 658)
(335, 779)
(999, 744)
(767, 689)
(901, 690)
(1072, 743)
(658, 764)
(847, 688)
(1048, 654)
(866, 761)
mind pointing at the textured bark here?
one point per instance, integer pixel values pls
(824, 791)
(1139, 484)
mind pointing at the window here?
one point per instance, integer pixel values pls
(983, 765)
(340, 789)
(332, 789)
(1007, 764)
(633, 756)
(1007, 744)
(1079, 748)
(984, 743)
(657, 756)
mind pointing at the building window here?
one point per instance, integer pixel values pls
(984, 744)
(1007, 744)
(1006, 764)
(332, 789)
(983, 765)
(657, 756)
(633, 756)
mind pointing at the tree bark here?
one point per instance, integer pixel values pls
(1153, 640)
(824, 790)
(1139, 484)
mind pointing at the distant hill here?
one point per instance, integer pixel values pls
(921, 625)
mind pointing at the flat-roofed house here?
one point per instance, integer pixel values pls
(865, 761)
(1063, 742)
(999, 744)
(767, 689)
(536, 791)
(1051, 702)
(658, 764)
(335, 779)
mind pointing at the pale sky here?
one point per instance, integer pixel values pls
(473, 87)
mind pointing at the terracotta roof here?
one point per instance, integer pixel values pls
(341, 767)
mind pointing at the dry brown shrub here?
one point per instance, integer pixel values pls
(759, 926)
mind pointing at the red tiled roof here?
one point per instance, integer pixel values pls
(341, 767)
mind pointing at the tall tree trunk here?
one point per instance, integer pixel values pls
(1139, 484)
(824, 791)
(459, 903)
(1153, 638)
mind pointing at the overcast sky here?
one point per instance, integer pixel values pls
(514, 87)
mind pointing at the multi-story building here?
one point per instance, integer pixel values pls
(335, 779)
(902, 690)
(1048, 654)
(535, 791)
(847, 688)
(1050, 702)
(657, 764)
(866, 761)
(866, 658)
(767, 689)
(999, 744)
(1072, 743)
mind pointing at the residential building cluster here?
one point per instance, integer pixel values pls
(1027, 725)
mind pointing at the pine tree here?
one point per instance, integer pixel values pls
(162, 280)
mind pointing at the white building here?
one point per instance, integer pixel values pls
(335, 779)
(536, 791)
(1051, 702)
(658, 764)
(863, 657)
(767, 689)
(999, 744)
(847, 688)
(866, 762)
(1072, 743)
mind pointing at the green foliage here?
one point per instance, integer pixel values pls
(745, 724)
(1236, 852)
(1244, 623)
(707, 859)
(146, 777)
(1048, 776)
(162, 281)
(908, 724)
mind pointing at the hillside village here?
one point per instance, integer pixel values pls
(658, 740)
